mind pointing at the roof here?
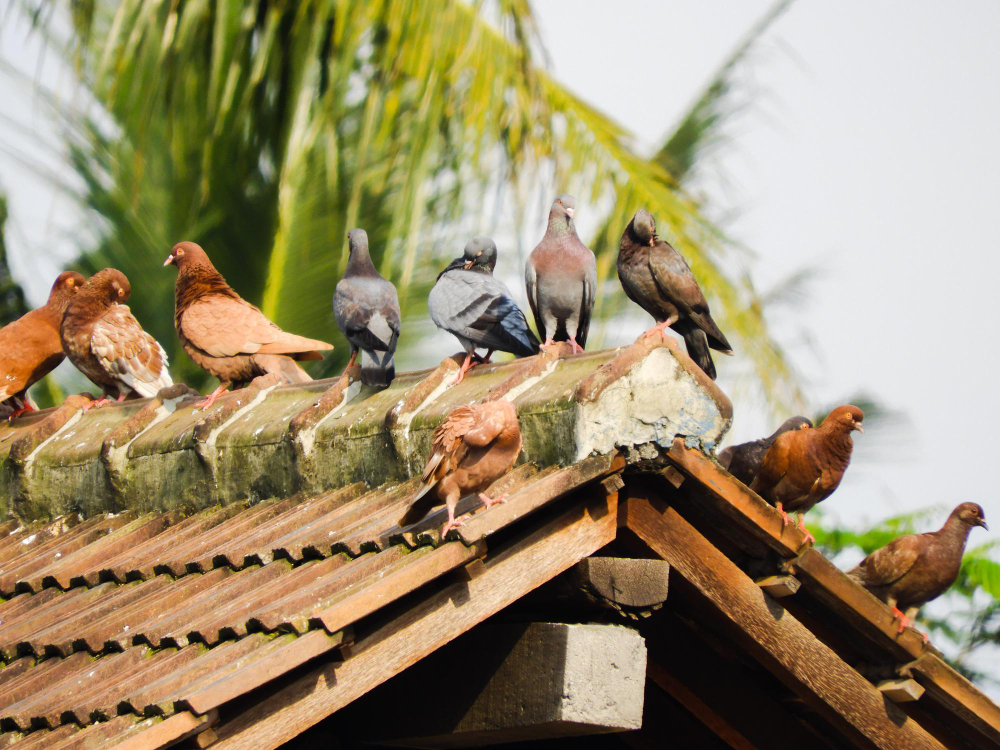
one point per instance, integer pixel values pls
(150, 597)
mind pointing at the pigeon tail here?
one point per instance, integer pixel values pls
(716, 338)
(286, 367)
(697, 346)
(375, 371)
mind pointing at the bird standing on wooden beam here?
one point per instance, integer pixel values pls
(561, 278)
(912, 570)
(743, 460)
(804, 467)
(472, 448)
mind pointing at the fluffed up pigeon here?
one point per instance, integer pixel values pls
(910, 571)
(105, 342)
(478, 309)
(743, 460)
(367, 312)
(561, 278)
(227, 336)
(658, 279)
(474, 446)
(805, 466)
(30, 347)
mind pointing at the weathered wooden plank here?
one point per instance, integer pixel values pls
(732, 499)
(901, 690)
(947, 687)
(623, 581)
(778, 587)
(506, 576)
(868, 615)
(169, 731)
(774, 637)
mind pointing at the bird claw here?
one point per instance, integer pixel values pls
(904, 621)
(784, 516)
(575, 346)
(810, 539)
(451, 524)
(489, 502)
(23, 410)
(96, 404)
(212, 398)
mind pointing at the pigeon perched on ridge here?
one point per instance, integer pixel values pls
(910, 571)
(743, 460)
(658, 279)
(474, 446)
(805, 466)
(105, 342)
(227, 336)
(30, 347)
(367, 312)
(561, 278)
(478, 309)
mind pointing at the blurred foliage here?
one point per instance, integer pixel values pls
(12, 304)
(265, 130)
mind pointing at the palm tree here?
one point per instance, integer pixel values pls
(265, 130)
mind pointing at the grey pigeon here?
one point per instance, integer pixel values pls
(743, 460)
(367, 312)
(657, 278)
(561, 276)
(479, 309)
(911, 570)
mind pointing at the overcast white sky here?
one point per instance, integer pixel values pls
(870, 153)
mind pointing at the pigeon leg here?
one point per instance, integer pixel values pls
(489, 355)
(451, 523)
(25, 408)
(661, 328)
(97, 404)
(466, 366)
(810, 539)
(489, 502)
(783, 514)
(204, 405)
(350, 362)
(904, 621)
(121, 397)
(575, 346)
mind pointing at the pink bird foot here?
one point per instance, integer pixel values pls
(575, 346)
(212, 398)
(784, 515)
(103, 400)
(467, 365)
(904, 621)
(450, 524)
(23, 410)
(489, 502)
(810, 539)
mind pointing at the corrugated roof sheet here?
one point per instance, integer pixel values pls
(113, 621)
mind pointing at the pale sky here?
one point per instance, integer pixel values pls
(870, 153)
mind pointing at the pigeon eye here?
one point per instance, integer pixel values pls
(121, 292)
(179, 252)
(974, 511)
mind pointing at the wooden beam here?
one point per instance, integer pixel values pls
(508, 573)
(955, 693)
(901, 690)
(774, 637)
(778, 587)
(734, 500)
(858, 607)
(623, 582)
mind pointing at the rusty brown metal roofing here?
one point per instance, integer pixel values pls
(96, 630)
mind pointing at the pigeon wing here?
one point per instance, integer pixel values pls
(128, 353)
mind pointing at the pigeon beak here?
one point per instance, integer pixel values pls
(859, 428)
(570, 212)
(982, 522)
(169, 260)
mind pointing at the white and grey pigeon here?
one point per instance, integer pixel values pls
(561, 277)
(367, 312)
(478, 309)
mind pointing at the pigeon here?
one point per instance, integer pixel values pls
(805, 466)
(910, 571)
(561, 277)
(105, 342)
(479, 309)
(227, 336)
(367, 312)
(658, 279)
(30, 347)
(474, 446)
(743, 460)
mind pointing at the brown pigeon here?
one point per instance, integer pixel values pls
(224, 334)
(30, 347)
(910, 571)
(743, 460)
(657, 278)
(561, 278)
(474, 446)
(367, 311)
(106, 343)
(804, 467)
